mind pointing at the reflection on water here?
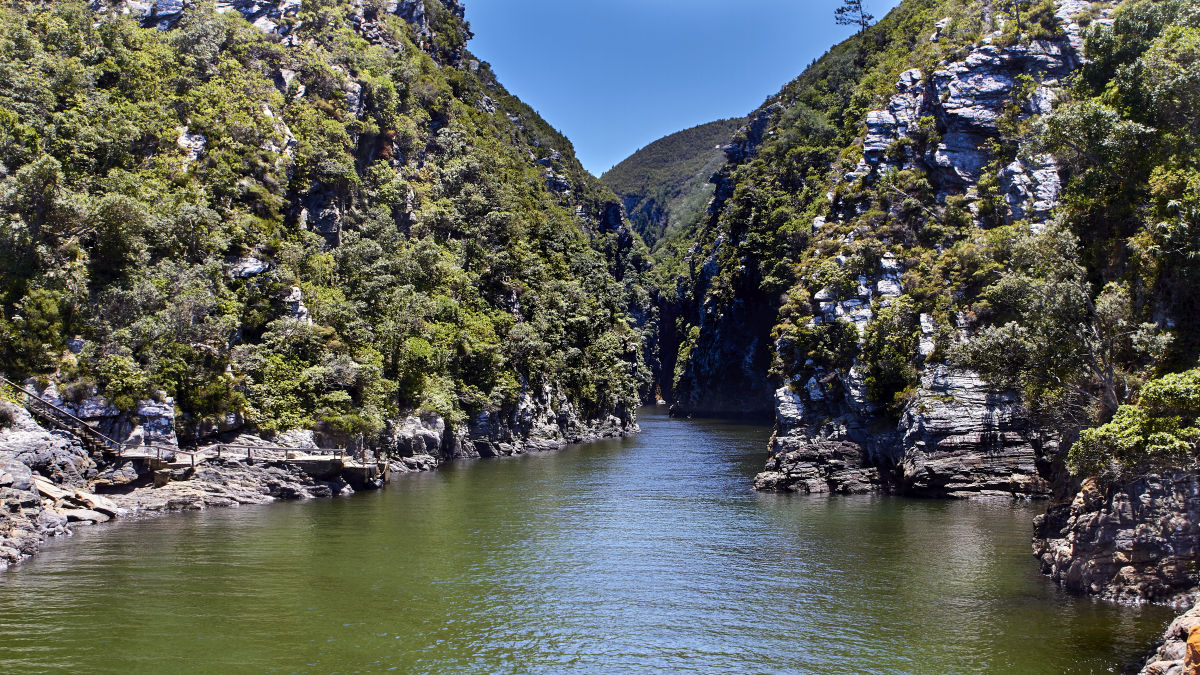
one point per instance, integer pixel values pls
(635, 555)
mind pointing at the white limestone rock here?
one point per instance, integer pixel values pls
(962, 439)
(296, 307)
(192, 144)
(244, 268)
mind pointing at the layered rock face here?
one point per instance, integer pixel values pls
(966, 100)
(1135, 543)
(821, 445)
(803, 459)
(961, 439)
(957, 439)
(29, 454)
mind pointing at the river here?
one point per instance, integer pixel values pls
(634, 555)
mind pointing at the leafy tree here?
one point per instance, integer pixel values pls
(33, 335)
(1077, 356)
(1170, 78)
(122, 381)
(889, 347)
(1016, 9)
(853, 13)
(1160, 431)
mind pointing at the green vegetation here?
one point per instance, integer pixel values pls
(439, 267)
(368, 229)
(665, 185)
(1160, 432)
(773, 260)
(1077, 313)
(1077, 356)
(887, 352)
(1086, 312)
(853, 13)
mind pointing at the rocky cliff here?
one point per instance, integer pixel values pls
(29, 456)
(1137, 542)
(49, 484)
(1180, 651)
(784, 205)
(957, 439)
(850, 416)
(875, 342)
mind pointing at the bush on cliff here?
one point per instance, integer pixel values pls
(1109, 300)
(1160, 432)
(1075, 354)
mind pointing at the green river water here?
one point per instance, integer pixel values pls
(639, 555)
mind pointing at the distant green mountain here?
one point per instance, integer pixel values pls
(665, 185)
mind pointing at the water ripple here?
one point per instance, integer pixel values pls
(637, 555)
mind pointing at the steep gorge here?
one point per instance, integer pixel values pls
(331, 223)
(821, 243)
(948, 248)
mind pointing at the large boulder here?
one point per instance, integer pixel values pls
(56, 455)
(415, 435)
(1178, 654)
(817, 467)
(15, 475)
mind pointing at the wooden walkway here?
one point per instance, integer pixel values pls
(171, 457)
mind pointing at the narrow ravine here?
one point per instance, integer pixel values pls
(640, 554)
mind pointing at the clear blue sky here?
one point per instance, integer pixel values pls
(615, 75)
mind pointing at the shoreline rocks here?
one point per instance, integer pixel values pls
(1180, 651)
(963, 440)
(1137, 542)
(957, 439)
(49, 484)
(817, 459)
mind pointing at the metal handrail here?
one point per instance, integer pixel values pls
(32, 396)
(338, 452)
(82, 425)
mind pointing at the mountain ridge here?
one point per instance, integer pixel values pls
(665, 185)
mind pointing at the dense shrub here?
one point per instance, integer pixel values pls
(420, 234)
(1160, 431)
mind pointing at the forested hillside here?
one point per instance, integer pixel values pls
(758, 250)
(288, 215)
(665, 186)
